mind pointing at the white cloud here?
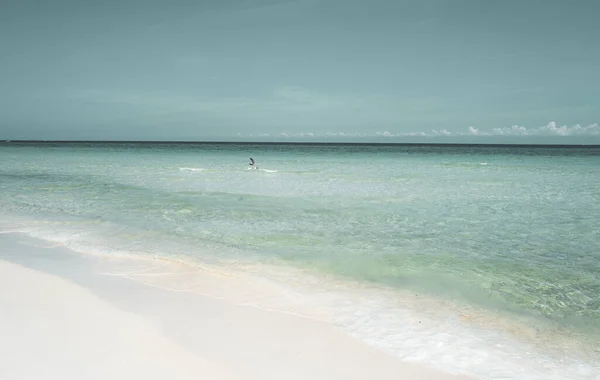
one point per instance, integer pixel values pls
(575, 130)
(413, 134)
(442, 132)
(550, 129)
(515, 130)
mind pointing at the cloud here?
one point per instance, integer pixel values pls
(473, 131)
(515, 130)
(550, 129)
(575, 130)
(442, 132)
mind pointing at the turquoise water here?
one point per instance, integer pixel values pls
(510, 231)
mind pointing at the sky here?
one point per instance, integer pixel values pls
(306, 70)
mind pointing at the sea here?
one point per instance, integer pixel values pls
(479, 259)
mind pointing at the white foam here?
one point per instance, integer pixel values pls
(442, 336)
(434, 332)
(192, 169)
(262, 170)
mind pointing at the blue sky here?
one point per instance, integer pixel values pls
(448, 70)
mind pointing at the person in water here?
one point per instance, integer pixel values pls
(252, 163)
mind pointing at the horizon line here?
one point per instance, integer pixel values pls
(315, 143)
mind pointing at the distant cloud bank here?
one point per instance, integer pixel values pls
(549, 130)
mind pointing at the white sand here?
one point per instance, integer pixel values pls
(53, 329)
(87, 325)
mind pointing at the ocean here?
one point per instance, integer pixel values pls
(480, 259)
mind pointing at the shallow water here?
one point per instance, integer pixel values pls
(512, 233)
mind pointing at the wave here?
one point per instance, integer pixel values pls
(264, 170)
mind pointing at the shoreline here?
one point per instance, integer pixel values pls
(412, 328)
(200, 333)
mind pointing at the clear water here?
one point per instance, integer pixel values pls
(511, 234)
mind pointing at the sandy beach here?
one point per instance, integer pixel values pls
(66, 315)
